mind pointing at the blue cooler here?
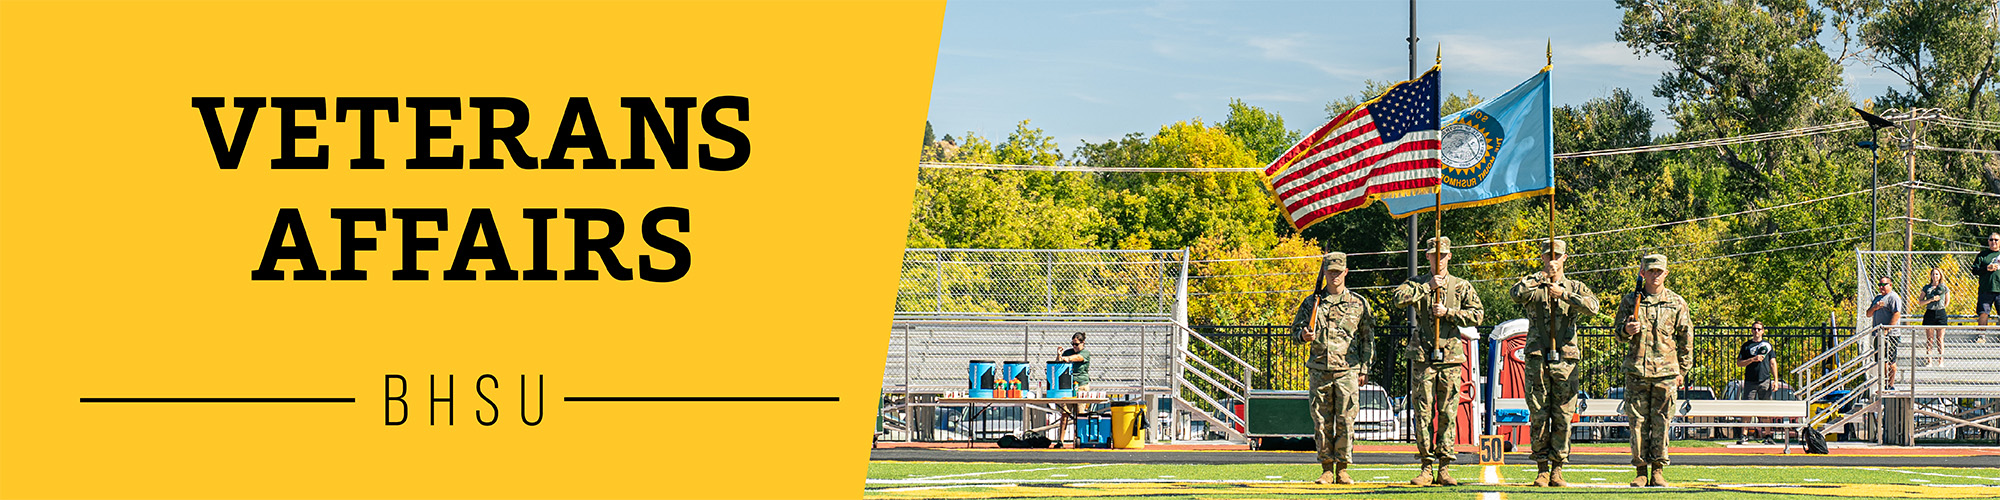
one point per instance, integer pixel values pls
(1093, 430)
(1062, 380)
(983, 377)
(1016, 372)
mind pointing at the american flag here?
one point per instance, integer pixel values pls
(1384, 148)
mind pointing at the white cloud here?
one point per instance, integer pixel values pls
(1484, 54)
(1307, 50)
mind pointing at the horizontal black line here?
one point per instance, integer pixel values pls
(704, 399)
(215, 400)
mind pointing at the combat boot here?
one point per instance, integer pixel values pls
(1541, 473)
(1641, 479)
(1423, 475)
(1444, 475)
(1556, 476)
(1340, 475)
(1326, 475)
(1659, 477)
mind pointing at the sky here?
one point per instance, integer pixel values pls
(1094, 70)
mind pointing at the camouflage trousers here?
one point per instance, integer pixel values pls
(1551, 405)
(1649, 407)
(1435, 385)
(1336, 399)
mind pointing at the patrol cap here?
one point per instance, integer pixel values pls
(1558, 247)
(1651, 262)
(1441, 244)
(1333, 261)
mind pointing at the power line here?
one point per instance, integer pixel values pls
(1957, 150)
(1948, 189)
(1941, 224)
(1725, 141)
(1572, 273)
(1078, 168)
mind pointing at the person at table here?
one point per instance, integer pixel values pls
(1080, 359)
(1340, 331)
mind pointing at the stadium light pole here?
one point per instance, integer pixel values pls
(1875, 126)
(1412, 254)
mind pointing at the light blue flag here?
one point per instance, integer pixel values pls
(1500, 150)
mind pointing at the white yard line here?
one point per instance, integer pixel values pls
(1933, 474)
(1016, 470)
(921, 488)
(1072, 481)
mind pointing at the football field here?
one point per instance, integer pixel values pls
(896, 479)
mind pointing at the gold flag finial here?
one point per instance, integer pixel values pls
(1440, 60)
(1551, 54)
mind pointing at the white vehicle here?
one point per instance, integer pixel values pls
(1377, 419)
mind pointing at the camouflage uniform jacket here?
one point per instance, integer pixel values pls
(1345, 331)
(1577, 303)
(1462, 309)
(1664, 345)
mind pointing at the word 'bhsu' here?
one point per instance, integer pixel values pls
(396, 411)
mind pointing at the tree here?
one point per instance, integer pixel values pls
(1944, 51)
(1005, 209)
(1738, 67)
(1262, 132)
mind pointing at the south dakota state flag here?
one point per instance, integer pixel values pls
(1497, 151)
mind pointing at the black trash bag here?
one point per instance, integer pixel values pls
(1037, 441)
(1815, 443)
(1030, 440)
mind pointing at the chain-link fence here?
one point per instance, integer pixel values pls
(1936, 357)
(1049, 284)
(954, 306)
(1909, 274)
(1125, 358)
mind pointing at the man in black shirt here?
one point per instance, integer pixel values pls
(1755, 359)
(1986, 270)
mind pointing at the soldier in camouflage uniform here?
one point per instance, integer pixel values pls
(1653, 321)
(1435, 374)
(1341, 330)
(1554, 305)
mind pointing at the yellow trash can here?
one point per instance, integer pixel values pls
(1128, 424)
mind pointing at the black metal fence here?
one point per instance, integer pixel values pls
(1281, 360)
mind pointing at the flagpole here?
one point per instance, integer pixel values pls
(1437, 322)
(1550, 58)
(1414, 74)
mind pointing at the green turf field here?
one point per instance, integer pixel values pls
(888, 480)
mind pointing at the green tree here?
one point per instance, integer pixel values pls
(1944, 52)
(1262, 132)
(1738, 67)
(1005, 208)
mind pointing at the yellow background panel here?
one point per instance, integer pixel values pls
(125, 252)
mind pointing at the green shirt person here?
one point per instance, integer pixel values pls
(1079, 359)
